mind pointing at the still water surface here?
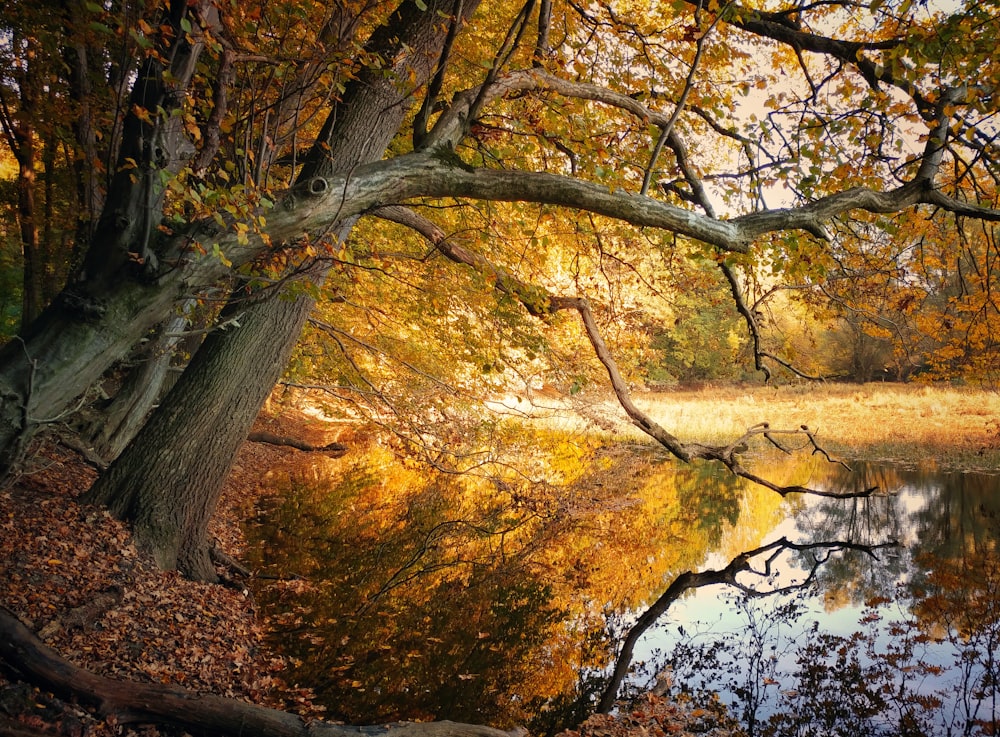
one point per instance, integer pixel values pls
(407, 594)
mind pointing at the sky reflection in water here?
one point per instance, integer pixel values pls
(946, 524)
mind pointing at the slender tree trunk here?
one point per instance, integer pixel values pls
(53, 271)
(89, 198)
(167, 482)
(26, 155)
(31, 285)
(118, 424)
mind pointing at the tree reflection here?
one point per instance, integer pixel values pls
(759, 563)
(410, 593)
(419, 594)
(921, 660)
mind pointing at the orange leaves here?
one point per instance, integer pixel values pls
(655, 716)
(142, 114)
(57, 559)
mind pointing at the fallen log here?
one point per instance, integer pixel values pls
(130, 702)
(334, 449)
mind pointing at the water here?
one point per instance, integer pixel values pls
(907, 633)
(414, 595)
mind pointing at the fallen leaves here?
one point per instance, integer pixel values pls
(650, 715)
(73, 574)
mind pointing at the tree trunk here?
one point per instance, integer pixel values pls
(109, 307)
(89, 197)
(25, 152)
(31, 285)
(153, 141)
(168, 479)
(119, 422)
(333, 449)
(65, 352)
(167, 482)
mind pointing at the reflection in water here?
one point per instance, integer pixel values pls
(420, 594)
(498, 599)
(896, 644)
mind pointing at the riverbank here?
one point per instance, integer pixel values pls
(73, 576)
(947, 427)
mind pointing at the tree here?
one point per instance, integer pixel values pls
(234, 371)
(630, 118)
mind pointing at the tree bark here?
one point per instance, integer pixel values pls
(65, 352)
(167, 481)
(89, 197)
(110, 305)
(118, 424)
(23, 146)
(201, 713)
(153, 140)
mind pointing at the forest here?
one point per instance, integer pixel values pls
(421, 211)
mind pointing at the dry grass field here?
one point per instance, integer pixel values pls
(945, 426)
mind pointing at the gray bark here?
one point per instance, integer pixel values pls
(144, 385)
(167, 481)
(124, 234)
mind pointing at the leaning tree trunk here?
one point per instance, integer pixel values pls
(144, 385)
(167, 482)
(168, 479)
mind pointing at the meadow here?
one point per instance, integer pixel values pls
(944, 426)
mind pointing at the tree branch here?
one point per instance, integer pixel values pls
(334, 450)
(742, 563)
(540, 302)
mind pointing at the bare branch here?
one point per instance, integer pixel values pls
(434, 87)
(666, 130)
(540, 302)
(741, 564)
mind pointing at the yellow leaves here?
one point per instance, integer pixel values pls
(220, 256)
(142, 114)
(242, 229)
(192, 128)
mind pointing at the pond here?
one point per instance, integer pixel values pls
(504, 597)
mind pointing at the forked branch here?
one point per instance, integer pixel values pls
(758, 562)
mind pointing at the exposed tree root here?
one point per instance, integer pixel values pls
(127, 702)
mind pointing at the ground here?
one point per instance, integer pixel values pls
(73, 575)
